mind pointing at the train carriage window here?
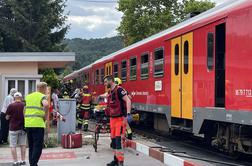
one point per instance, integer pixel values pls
(176, 59)
(97, 77)
(186, 56)
(87, 78)
(144, 66)
(115, 70)
(102, 75)
(159, 62)
(93, 77)
(124, 70)
(210, 50)
(133, 68)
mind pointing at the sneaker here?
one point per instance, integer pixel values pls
(22, 163)
(15, 164)
(112, 163)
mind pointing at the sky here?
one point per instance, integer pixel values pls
(95, 18)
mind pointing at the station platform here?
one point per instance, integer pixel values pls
(83, 156)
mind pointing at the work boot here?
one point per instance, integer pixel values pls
(129, 136)
(85, 127)
(112, 163)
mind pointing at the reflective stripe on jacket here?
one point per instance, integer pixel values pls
(86, 101)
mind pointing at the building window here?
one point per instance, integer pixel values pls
(11, 84)
(21, 86)
(159, 62)
(124, 71)
(176, 59)
(133, 68)
(102, 75)
(210, 50)
(144, 66)
(97, 77)
(115, 70)
(186, 56)
(31, 86)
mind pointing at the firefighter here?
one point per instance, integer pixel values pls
(79, 117)
(85, 107)
(128, 133)
(117, 96)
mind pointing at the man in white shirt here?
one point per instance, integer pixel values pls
(4, 132)
(55, 99)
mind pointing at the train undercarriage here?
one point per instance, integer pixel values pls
(232, 139)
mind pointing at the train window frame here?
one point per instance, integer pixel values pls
(210, 51)
(186, 65)
(145, 65)
(93, 77)
(124, 69)
(176, 60)
(97, 81)
(86, 81)
(102, 75)
(116, 64)
(133, 77)
(156, 62)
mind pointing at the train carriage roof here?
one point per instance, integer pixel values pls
(201, 17)
(76, 72)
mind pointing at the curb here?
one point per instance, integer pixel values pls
(155, 153)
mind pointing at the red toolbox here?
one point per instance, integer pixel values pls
(71, 140)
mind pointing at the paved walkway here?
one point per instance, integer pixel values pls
(83, 156)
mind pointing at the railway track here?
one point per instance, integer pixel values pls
(181, 143)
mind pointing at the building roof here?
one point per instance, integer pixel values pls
(44, 59)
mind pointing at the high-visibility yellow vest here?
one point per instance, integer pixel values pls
(34, 112)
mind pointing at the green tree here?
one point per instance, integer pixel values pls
(88, 51)
(50, 77)
(32, 25)
(190, 6)
(143, 18)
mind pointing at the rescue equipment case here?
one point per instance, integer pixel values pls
(71, 140)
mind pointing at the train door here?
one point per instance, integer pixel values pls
(108, 68)
(182, 76)
(220, 50)
(108, 71)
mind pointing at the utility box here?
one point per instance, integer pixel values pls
(67, 108)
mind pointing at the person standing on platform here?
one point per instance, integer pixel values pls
(15, 113)
(36, 111)
(128, 133)
(4, 132)
(117, 100)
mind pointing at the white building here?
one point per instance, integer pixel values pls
(20, 69)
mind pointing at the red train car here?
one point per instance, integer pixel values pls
(193, 76)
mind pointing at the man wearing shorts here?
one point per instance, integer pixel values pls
(17, 135)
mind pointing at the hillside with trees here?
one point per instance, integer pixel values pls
(88, 51)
